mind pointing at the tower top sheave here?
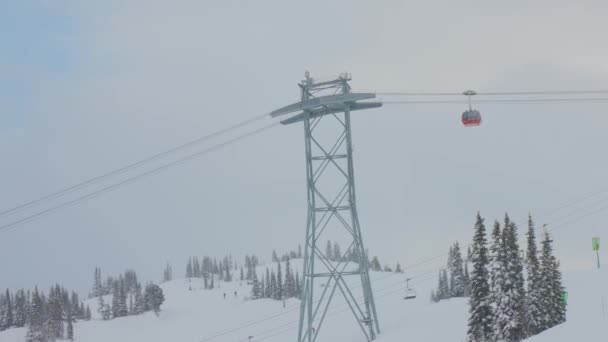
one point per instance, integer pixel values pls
(320, 98)
(310, 83)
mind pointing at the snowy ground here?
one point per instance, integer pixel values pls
(201, 316)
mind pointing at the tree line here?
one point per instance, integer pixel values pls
(125, 294)
(454, 280)
(47, 317)
(277, 286)
(513, 296)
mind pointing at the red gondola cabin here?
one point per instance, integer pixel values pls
(471, 117)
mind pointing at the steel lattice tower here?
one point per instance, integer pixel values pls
(330, 103)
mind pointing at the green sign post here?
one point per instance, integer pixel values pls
(565, 297)
(595, 244)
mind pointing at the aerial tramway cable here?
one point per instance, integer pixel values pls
(128, 167)
(136, 178)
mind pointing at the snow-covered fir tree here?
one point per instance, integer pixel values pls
(249, 267)
(167, 273)
(6, 311)
(140, 306)
(289, 287)
(467, 280)
(337, 253)
(457, 279)
(256, 290)
(551, 288)
(97, 283)
(273, 286)
(510, 295)
(36, 329)
(20, 316)
(443, 287)
(189, 272)
(375, 264)
(54, 313)
(298, 286)
(154, 297)
(534, 306)
(268, 290)
(480, 323)
(279, 288)
(495, 253)
(70, 328)
(104, 309)
(275, 258)
(329, 252)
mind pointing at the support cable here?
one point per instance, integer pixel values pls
(497, 93)
(128, 167)
(136, 178)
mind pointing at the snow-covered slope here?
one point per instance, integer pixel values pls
(201, 315)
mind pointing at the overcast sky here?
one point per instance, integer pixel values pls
(87, 87)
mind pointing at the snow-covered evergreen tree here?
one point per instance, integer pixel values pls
(480, 303)
(6, 311)
(298, 286)
(70, 327)
(116, 300)
(20, 316)
(189, 272)
(337, 253)
(550, 287)
(249, 267)
(496, 256)
(375, 264)
(273, 286)
(279, 288)
(289, 287)
(154, 297)
(104, 309)
(510, 295)
(88, 315)
(196, 268)
(457, 279)
(268, 290)
(167, 273)
(256, 290)
(443, 287)
(36, 330)
(54, 314)
(140, 306)
(534, 306)
(329, 252)
(467, 280)
(97, 283)
(275, 258)
(398, 268)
